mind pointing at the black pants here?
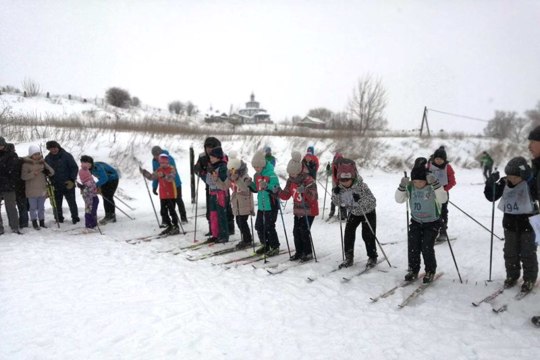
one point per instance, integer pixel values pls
(302, 234)
(167, 208)
(180, 203)
(421, 241)
(266, 227)
(22, 207)
(107, 191)
(520, 248)
(367, 235)
(242, 222)
(444, 214)
(72, 203)
(342, 211)
(487, 171)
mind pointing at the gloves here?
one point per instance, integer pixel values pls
(98, 191)
(492, 179)
(356, 197)
(276, 189)
(69, 184)
(336, 190)
(263, 185)
(301, 189)
(46, 172)
(154, 191)
(404, 182)
(431, 179)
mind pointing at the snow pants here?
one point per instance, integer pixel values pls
(421, 241)
(242, 222)
(11, 209)
(302, 234)
(168, 212)
(266, 227)
(367, 235)
(520, 248)
(69, 194)
(90, 212)
(218, 215)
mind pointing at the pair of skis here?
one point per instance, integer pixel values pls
(502, 308)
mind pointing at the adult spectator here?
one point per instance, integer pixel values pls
(487, 164)
(156, 152)
(65, 174)
(8, 177)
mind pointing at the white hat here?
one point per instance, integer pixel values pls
(33, 149)
(294, 167)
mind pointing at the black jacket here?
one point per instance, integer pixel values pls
(9, 165)
(65, 168)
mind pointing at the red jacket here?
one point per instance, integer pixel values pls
(310, 205)
(450, 174)
(165, 176)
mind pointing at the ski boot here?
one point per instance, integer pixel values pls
(371, 262)
(174, 231)
(243, 245)
(42, 224)
(297, 256)
(411, 276)
(536, 321)
(35, 225)
(428, 278)
(261, 250)
(509, 282)
(527, 286)
(348, 261)
(306, 258)
(273, 251)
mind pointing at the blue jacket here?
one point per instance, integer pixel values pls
(104, 172)
(155, 165)
(65, 168)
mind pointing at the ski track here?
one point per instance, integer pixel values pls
(97, 297)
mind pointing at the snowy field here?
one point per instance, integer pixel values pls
(66, 295)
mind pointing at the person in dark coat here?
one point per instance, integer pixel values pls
(9, 175)
(65, 175)
(202, 167)
(20, 192)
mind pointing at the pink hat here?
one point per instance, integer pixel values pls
(85, 175)
(163, 158)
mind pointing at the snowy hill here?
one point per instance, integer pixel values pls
(66, 295)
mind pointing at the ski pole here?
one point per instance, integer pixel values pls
(457, 207)
(52, 199)
(252, 233)
(123, 202)
(284, 229)
(325, 192)
(375, 236)
(122, 211)
(407, 207)
(492, 226)
(308, 227)
(454, 258)
(341, 233)
(150, 196)
(196, 208)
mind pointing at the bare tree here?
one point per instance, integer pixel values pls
(321, 113)
(118, 97)
(176, 107)
(191, 109)
(366, 107)
(31, 87)
(534, 116)
(506, 124)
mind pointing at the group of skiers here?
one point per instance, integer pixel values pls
(26, 183)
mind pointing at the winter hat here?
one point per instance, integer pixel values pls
(216, 152)
(33, 149)
(346, 170)
(234, 162)
(156, 150)
(518, 167)
(294, 167)
(535, 134)
(418, 173)
(258, 160)
(440, 153)
(311, 150)
(163, 158)
(267, 150)
(212, 142)
(87, 159)
(52, 144)
(2, 141)
(85, 175)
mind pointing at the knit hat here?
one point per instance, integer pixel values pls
(440, 153)
(212, 142)
(163, 158)
(87, 159)
(346, 170)
(311, 150)
(294, 167)
(52, 144)
(216, 152)
(33, 149)
(2, 141)
(535, 134)
(85, 175)
(418, 173)
(234, 162)
(267, 150)
(156, 150)
(258, 160)
(518, 167)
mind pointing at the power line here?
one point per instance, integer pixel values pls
(457, 115)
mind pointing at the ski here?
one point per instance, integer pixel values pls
(137, 240)
(313, 278)
(291, 265)
(214, 253)
(245, 260)
(500, 309)
(520, 295)
(391, 291)
(418, 291)
(490, 297)
(445, 241)
(361, 272)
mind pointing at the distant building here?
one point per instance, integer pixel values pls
(312, 122)
(251, 114)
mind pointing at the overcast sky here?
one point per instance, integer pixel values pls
(461, 56)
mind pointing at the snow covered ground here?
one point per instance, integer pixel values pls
(66, 295)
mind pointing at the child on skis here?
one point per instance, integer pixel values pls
(519, 237)
(332, 171)
(219, 198)
(165, 175)
(425, 196)
(241, 198)
(354, 194)
(444, 173)
(90, 195)
(311, 162)
(264, 183)
(303, 189)
(33, 172)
